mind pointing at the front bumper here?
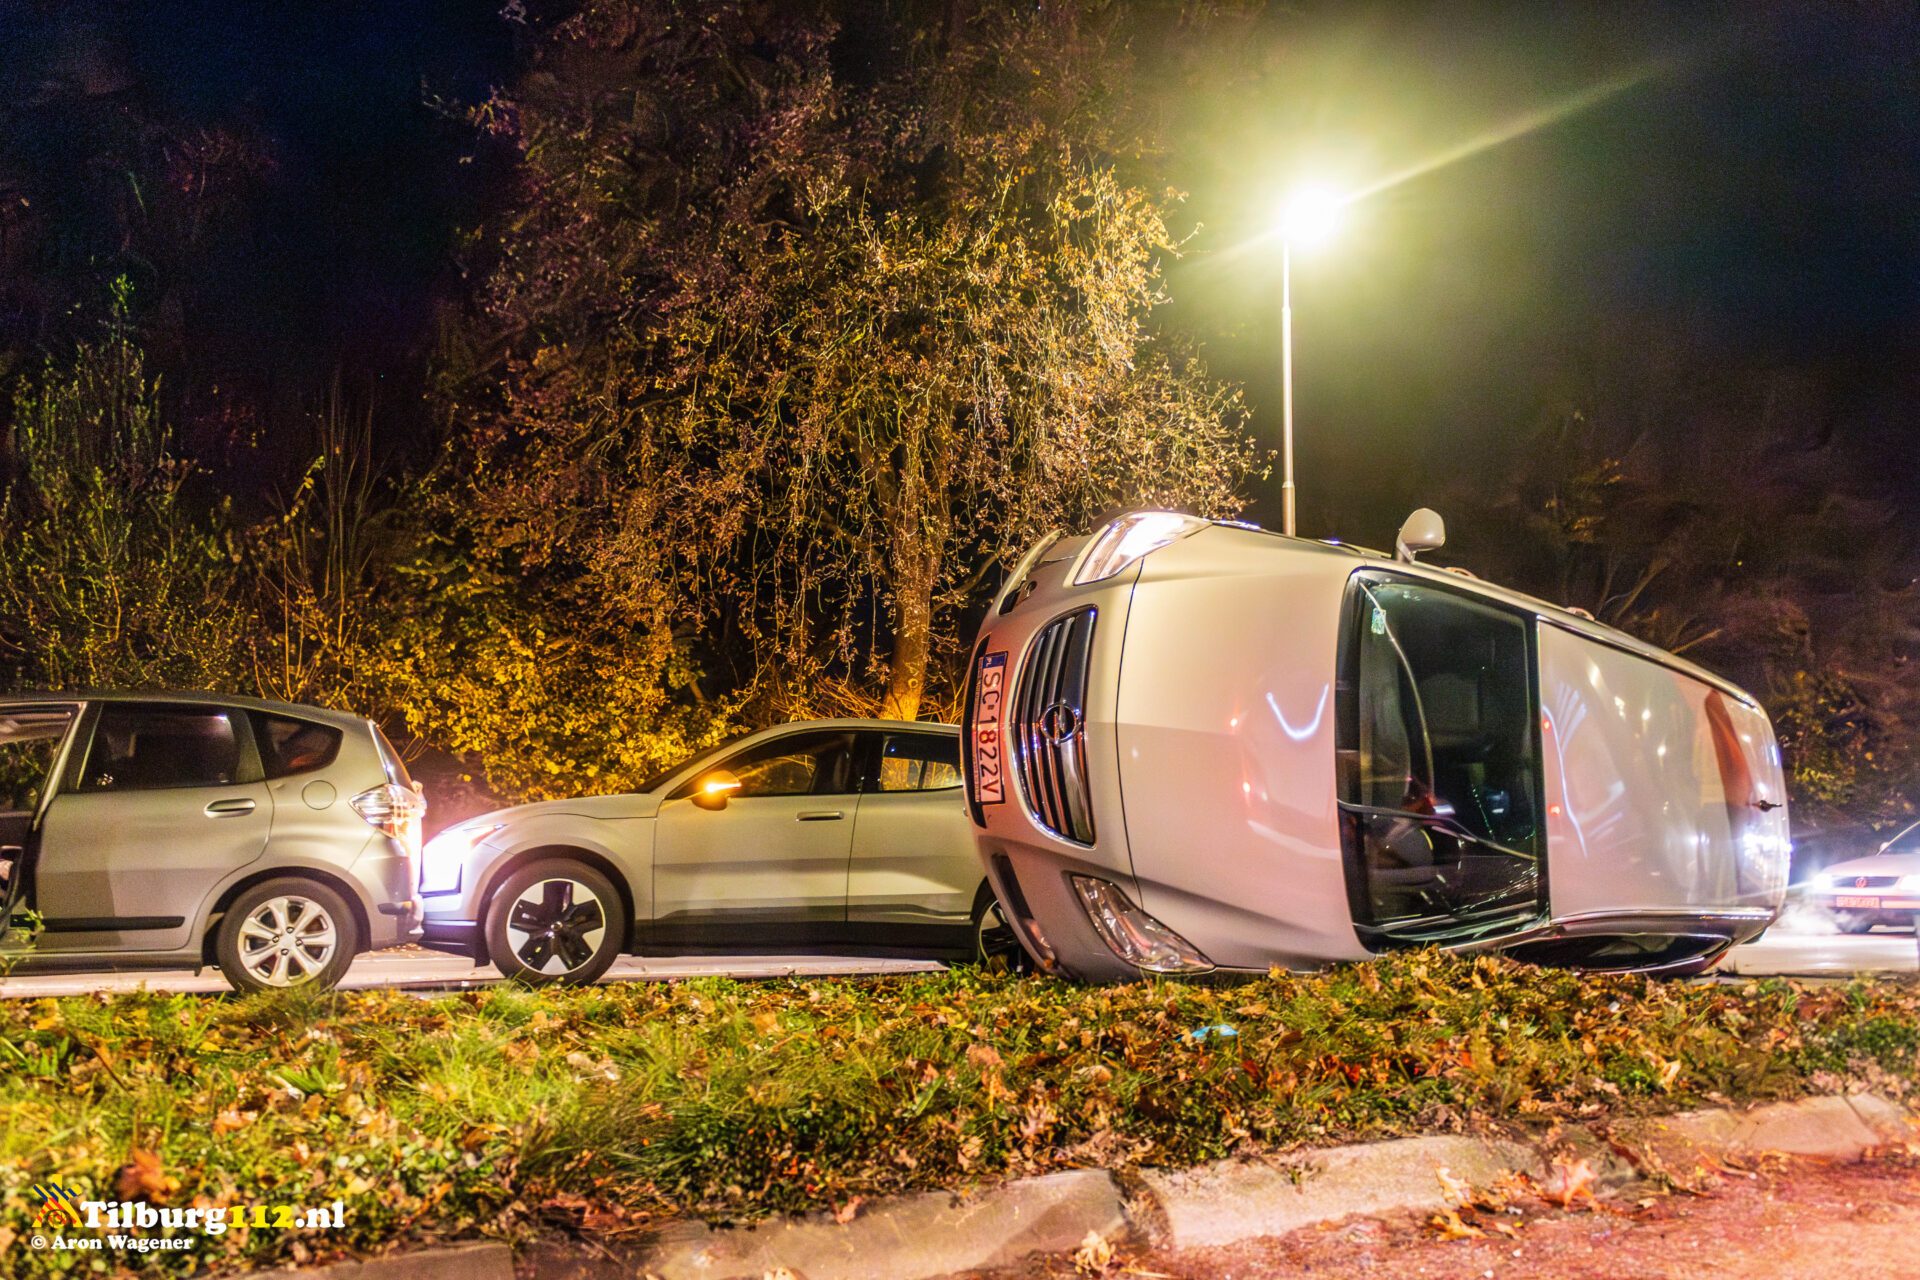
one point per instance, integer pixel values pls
(1893, 906)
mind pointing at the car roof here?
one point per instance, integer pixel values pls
(852, 722)
(192, 698)
(1559, 615)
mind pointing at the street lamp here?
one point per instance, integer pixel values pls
(1308, 217)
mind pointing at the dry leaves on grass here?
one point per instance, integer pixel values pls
(142, 1178)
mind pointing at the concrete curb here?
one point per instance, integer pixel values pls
(933, 1234)
(1237, 1200)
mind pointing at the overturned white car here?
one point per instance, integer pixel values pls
(1195, 745)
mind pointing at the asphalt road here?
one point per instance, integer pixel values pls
(1824, 954)
(417, 968)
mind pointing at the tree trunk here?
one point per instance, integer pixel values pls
(912, 646)
(912, 636)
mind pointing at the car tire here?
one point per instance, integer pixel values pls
(555, 922)
(995, 945)
(284, 933)
(1848, 922)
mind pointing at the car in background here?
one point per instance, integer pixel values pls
(1198, 745)
(828, 834)
(174, 830)
(1883, 889)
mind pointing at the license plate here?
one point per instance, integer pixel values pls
(989, 742)
(1870, 904)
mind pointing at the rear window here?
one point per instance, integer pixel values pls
(289, 746)
(156, 748)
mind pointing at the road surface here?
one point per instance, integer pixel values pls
(1791, 1221)
(1824, 954)
(1798, 954)
(416, 967)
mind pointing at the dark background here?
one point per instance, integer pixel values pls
(1751, 184)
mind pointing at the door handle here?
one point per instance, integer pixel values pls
(822, 815)
(229, 808)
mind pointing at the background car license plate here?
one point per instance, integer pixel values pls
(1869, 903)
(989, 745)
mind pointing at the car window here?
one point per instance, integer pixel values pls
(138, 748)
(919, 762)
(293, 746)
(797, 765)
(29, 741)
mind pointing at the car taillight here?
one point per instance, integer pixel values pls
(394, 811)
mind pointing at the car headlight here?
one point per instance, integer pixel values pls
(1129, 539)
(1823, 883)
(444, 860)
(1909, 884)
(1133, 935)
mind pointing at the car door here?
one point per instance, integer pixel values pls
(32, 740)
(913, 854)
(777, 853)
(167, 801)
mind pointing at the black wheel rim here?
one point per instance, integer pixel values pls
(556, 927)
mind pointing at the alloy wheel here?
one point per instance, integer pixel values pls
(556, 926)
(287, 940)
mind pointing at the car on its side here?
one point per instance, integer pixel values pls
(825, 834)
(1197, 745)
(1882, 889)
(171, 830)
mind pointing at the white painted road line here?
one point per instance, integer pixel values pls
(409, 968)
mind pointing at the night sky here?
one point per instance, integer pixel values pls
(1745, 174)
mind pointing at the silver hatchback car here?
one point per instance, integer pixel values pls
(180, 830)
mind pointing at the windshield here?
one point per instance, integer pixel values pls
(1438, 763)
(1907, 841)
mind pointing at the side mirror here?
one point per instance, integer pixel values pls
(713, 791)
(1423, 531)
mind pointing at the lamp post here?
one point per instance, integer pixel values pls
(1308, 218)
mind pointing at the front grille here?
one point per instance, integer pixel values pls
(1049, 730)
(1865, 882)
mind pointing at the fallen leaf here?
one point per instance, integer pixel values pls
(1093, 1256)
(844, 1214)
(1568, 1181)
(1447, 1223)
(142, 1178)
(1455, 1189)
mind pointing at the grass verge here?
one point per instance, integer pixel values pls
(506, 1112)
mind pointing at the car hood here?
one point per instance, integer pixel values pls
(620, 806)
(1885, 864)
